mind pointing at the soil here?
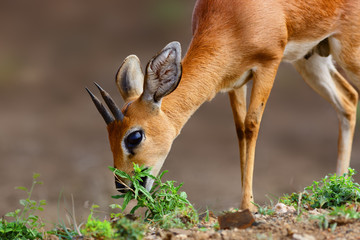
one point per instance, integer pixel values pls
(50, 51)
(278, 226)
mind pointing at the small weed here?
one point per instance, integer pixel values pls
(264, 210)
(290, 200)
(337, 216)
(334, 191)
(61, 230)
(323, 221)
(26, 224)
(118, 228)
(207, 215)
(96, 228)
(346, 212)
(128, 229)
(165, 205)
(216, 226)
(331, 191)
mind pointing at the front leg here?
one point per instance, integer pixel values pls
(262, 84)
(238, 106)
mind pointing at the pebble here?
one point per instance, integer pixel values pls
(281, 208)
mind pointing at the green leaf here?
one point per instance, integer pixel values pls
(146, 193)
(114, 206)
(162, 174)
(36, 175)
(94, 206)
(137, 169)
(118, 196)
(120, 173)
(22, 188)
(23, 202)
(33, 217)
(10, 214)
(127, 198)
(136, 187)
(134, 209)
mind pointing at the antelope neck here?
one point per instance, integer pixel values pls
(199, 83)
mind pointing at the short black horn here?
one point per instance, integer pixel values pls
(111, 104)
(102, 110)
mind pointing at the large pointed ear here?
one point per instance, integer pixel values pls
(129, 78)
(163, 73)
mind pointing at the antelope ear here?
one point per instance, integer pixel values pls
(129, 78)
(163, 73)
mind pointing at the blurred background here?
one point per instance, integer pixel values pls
(51, 50)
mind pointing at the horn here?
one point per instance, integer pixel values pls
(111, 104)
(102, 110)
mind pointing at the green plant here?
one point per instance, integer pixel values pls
(323, 221)
(346, 212)
(96, 228)
(128, 229)
(165, 205)
(338, 215)
(264, 210)
(216, 226)
(207, 215)
(331, 191)
(289, 200)
(334, 191)
(26, 224)
(61, 230)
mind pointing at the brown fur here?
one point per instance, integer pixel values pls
(231, 37)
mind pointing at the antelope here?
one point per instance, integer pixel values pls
(234, 42)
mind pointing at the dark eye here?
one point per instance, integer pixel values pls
(133, 140)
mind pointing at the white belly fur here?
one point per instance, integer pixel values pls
(297, 50)
(293, 52)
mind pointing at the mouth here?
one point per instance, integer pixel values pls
(120, 187)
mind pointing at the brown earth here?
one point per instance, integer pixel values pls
(287, 226)
(49, 51)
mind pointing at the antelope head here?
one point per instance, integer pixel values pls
(141, 132)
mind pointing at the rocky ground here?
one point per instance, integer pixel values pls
(286, 225)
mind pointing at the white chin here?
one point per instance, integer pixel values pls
(149, 183)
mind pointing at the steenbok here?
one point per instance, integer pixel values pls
(236, 41)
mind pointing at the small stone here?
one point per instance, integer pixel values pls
(243, 219)
(302, 237)
(281, 208)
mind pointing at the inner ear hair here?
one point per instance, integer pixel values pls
(163, 73)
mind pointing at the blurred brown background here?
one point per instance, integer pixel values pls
(51, 50)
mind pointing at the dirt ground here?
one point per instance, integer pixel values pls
(286, 226)
(51, 50)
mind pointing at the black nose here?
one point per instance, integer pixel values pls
(120, 187)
